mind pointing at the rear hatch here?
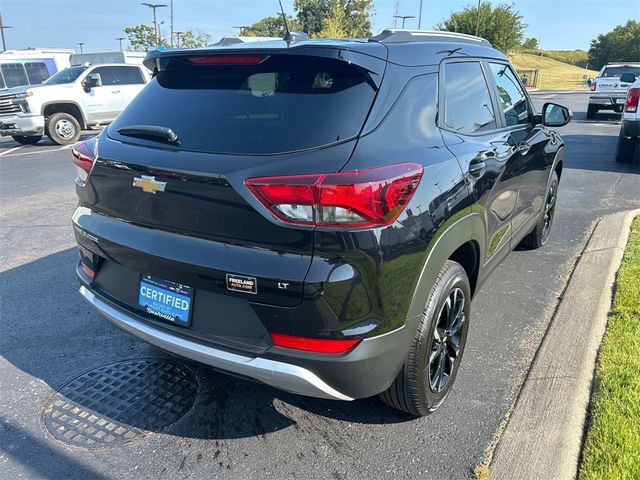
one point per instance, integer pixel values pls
(235, 115)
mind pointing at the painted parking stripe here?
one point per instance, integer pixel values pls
(11, 150)
(33, 152)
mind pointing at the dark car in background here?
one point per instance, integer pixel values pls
(316, 215)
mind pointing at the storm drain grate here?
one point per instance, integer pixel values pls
(117, 403)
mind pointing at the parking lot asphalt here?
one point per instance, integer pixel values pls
(239, 429)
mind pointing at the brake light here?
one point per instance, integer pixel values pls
(359, 198)
(593, 86)
(84, 157)
(227, 59)
(631, 104)
(88, 272)
(317, 345)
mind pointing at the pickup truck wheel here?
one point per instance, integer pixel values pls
(591, 112)
(539, 235)
(27, 140)
(63, 129)
(626, 149)
(436, 350)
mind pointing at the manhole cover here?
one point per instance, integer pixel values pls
(117, 403)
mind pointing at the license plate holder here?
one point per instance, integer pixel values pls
(165, 300)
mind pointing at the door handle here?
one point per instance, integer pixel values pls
(523, 148)
(115, 91)
(477, 168)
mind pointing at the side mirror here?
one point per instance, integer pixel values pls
(85, 85)
(554, 115)
(94, 80)
(589, 81)
(628, 78)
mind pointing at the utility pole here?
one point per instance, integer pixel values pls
(154, 6)
(3, 27)
(171, 26)
(81, 44)
(478, 19)
(120, 40)
(395, 14)
(420, 16)
(177, 34)
(404, 17)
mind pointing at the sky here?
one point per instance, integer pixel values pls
(558, 24)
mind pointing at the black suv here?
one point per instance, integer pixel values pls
(316, 214)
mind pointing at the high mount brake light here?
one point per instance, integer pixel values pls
(633, 97)
(354, 199)
(593, 86)
(227, 59)
(83, 158)
(317, 345)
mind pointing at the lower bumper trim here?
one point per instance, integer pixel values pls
(284, 376)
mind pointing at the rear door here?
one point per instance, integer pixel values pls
(129, 80)
(280, 115)
(103, 103)
(474, 133)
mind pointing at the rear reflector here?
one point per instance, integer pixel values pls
(355, 199)
(83, 157)
(633, 97)
(318, 345)
(227, 59)
(593, 86)
(88, 272)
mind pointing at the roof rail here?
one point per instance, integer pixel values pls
(396, 35)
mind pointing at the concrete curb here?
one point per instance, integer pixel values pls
(543, 436)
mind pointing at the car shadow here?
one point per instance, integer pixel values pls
(51, 334)
(594, 152)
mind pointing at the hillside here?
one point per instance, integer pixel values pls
(554, 75)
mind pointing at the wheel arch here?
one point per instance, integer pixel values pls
(72, 108)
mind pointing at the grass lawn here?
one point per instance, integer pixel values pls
(612, 448)
(554, 75)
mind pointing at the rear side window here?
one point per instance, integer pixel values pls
(468, 107)
(616, 72)
(285, 103)
(37, 72)
(512, 98)
(14, 74)
(127, 75)
(106, 76)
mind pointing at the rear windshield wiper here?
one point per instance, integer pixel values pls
(150, 131)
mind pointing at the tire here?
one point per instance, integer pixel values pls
(413, 391)
(27, 140)
(591, 112)
(626, 149)
(63, 128)
(539, 235)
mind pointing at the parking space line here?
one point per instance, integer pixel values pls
(32, 152)
(11, 150)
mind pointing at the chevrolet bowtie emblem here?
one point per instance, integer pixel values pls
(149, 184)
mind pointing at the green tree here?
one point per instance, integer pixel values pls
(501, 25)
(622, 44)
(348, 18)
(190, 39)
(142, 38)
(531, 43)
(270, 27)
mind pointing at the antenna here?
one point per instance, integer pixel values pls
(284, 19)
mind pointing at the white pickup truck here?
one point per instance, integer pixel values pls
(609, 91)
(629, 140)
(73, 99)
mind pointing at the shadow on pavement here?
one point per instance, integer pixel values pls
(51, 334)
(595, 152)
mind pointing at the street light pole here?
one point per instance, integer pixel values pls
(177, 34)
(420, 16)
(2, 29)
(120, 40)
(171, 26)
(154, 6)
(81, 44)
(404, 17)
(478, 19)
(240, 28)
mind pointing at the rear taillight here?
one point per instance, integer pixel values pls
(227, 59)
(593, 86)
(317, 345)
(84, 154)
(88, 272)
(355, 199)
(633, 97)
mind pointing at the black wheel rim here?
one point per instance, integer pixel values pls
(447, 340)
(549, 210)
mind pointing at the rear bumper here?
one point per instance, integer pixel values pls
(18, 125)
(281, 375)
(608, 101)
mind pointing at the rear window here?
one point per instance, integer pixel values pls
(618, 71)
(283, 104)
